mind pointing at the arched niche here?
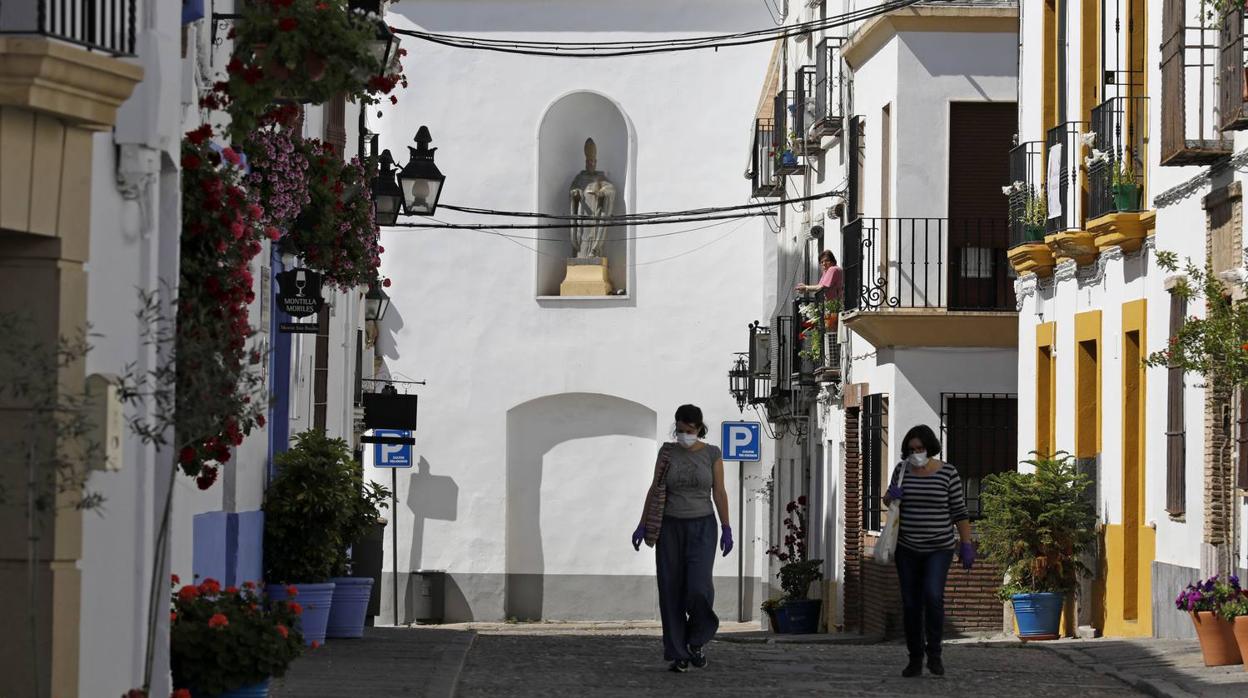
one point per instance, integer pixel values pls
(566, 124)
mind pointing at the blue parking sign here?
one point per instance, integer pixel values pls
(741, 441)
(392, 455)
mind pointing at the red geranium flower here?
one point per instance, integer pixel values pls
(295, 608)
(199, 135)
(210, 587)
(218, 620)
(386, 283)
(249, 585)
(316, 644)
(173, 616)
(207, 476)
(260, 420)
(287, 24)
(231, 590)
(187, 455)
(190, 592)
(292, 591)
(181, 693)
(281, 630)
(175, 579)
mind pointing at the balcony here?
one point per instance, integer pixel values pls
(824, 91)
(1232, 88)
(819, 351)
(1028, 252)
(106, 26)
(786, 146)
(1189, 61)
(758, 389)
(1117, 213)
(1064, 194)
(929, 282)
(765, 183)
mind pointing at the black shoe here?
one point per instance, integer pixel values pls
(679, 666)
(913, 669)
(935, 666)
(696, 658)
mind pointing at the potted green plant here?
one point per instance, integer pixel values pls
(796, 613)
(1123, 184)
(1037, 525)
(1035, 215)
(1213, 605)
(229, 642)
(351, 593)
(814, 326)
(307, 509)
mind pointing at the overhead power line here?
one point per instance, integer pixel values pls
(631, 217)
(610, 49)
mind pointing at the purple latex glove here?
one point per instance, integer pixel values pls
(966, 553)
(639, 536)
(725, 539)
(894, 493)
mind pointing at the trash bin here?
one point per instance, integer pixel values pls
(428, 596)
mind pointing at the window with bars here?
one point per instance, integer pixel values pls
(1189, 62)
(980, 435)
(1241, 441)
(1176, 433)
(874, 434)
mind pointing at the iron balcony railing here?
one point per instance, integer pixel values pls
(955, 264)
(825, 364)
(784, 358)
(806, 113)
(764, 180)
(100, 25)
(759, 387)
(1026, 193)
(1063, 195)
(1116, 161)
(788, 151)
(834, 89)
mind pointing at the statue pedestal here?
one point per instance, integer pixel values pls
(586, 276)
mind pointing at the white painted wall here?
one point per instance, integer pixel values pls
(464, 307)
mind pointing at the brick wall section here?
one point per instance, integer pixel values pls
(1219, 466)
(852, 613)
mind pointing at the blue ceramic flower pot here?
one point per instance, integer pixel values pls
(255, 690)
(1039, 616)
(350, 606)
(315, 600)
(798, 617)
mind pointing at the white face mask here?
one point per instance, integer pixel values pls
(686, 440)
(918, 459)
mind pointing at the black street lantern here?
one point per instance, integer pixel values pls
(739, 382)
(376, 302)
(420, 180)
(387, 196)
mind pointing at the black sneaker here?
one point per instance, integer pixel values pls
(696, 658)
(913, 669)
(935, 666)
(679, 666)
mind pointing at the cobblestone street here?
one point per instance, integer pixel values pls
(543, 661)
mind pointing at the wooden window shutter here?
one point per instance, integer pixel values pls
(1172, 89)
(853, 194)
(1231, 69)
(1176, 436)
(336, 124)
(1241, 440)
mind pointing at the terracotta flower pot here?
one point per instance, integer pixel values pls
(1217, 639)
(1241, 638)
(830, 322)
(315, 64)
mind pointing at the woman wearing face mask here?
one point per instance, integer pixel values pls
(932, 507)
(685, 552)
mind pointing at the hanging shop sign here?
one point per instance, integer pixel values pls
(299, 292)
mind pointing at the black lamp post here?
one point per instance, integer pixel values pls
(387, 196)
(739, 381)
(420, 181)
(376, 302)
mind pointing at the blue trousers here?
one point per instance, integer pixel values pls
(922, 577)
(684, 558)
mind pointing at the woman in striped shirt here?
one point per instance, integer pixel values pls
(932, 506)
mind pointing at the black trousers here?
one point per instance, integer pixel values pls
(922, 577)
(684, 559)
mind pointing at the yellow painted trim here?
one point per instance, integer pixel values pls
(1046, 390)
(1126, 229)
(1112, 572)
(1048, 98)
(877, 31)
(1031, 258)
(1079, 245)
(68, 82)
(1088, 329)
(1136, 560)
(1090, 58)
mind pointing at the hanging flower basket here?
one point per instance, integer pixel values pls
(279, 174)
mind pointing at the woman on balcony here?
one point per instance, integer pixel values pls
(692, 473)
(932, 507)
(831, 283)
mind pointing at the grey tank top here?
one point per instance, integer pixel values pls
(690, 475)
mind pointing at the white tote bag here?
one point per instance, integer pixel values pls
(887, 544)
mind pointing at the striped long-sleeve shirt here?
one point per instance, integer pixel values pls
(930, 506)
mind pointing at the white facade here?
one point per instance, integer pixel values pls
(543, 414)
(1174, 545)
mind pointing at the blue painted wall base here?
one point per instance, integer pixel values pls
(229, 547)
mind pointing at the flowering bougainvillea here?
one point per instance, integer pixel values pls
(221, 640)
(217, 390)
(336, 233)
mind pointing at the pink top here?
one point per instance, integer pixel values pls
(833, 283)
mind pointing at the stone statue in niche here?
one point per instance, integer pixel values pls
(592, 198)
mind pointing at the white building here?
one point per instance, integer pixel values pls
(907, 117)
(1140, 77)
(91, 125)
(543, 413)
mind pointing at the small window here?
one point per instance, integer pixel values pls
(977, 262)
(980, 434)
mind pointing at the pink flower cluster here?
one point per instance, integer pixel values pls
(278, 175)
